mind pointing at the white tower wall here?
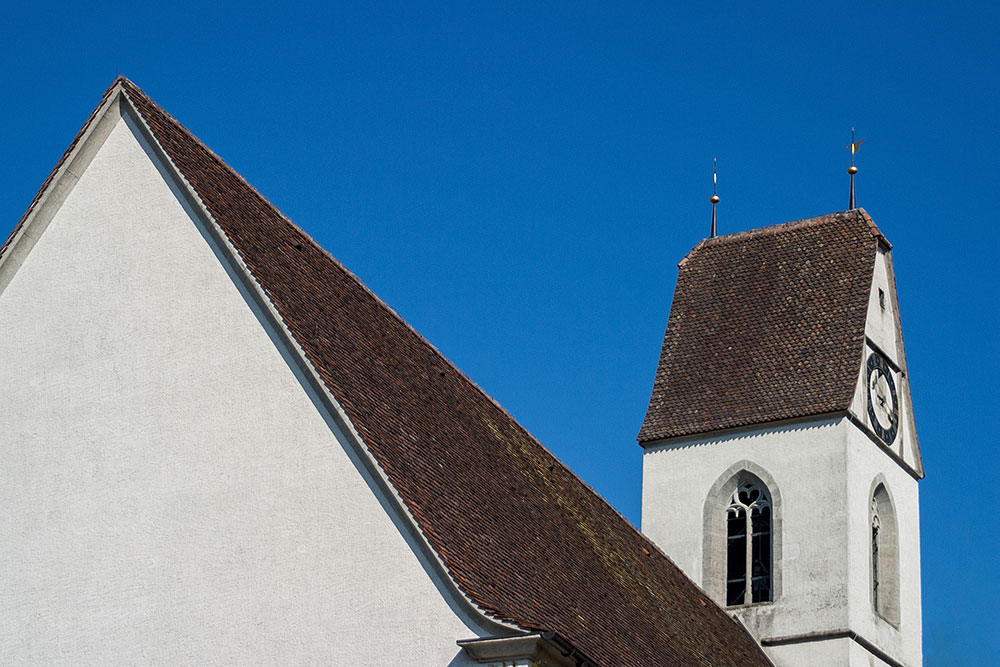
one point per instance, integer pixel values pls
(821, 476)
(806, 472)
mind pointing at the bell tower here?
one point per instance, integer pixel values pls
(781, 458)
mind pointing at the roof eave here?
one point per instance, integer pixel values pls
(692, 435)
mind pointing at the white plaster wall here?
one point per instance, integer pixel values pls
(866, 461)
(170, 493)
(828, 653)
(881, 328)
(808, 464)
(881, 325)
(824, 472)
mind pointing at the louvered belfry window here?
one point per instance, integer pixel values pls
(748, 557)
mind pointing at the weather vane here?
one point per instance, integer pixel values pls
(852, 170)
(715, 197)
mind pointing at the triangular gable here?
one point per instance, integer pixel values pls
(135, 359)
(523, 537)
(884, 335)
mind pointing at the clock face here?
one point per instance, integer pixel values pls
(883, 406)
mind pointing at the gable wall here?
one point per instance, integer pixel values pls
(869, 460)
(171, 492)
(881, 324)
(883, 333)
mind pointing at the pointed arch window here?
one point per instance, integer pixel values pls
(748, 545)
(876, 525)
(884, 555)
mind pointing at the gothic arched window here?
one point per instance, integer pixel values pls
(748, 545)
(876, 525)
(741, 557)
(884, 556)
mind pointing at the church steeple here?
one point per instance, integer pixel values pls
(780, 433)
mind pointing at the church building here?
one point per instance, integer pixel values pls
(219, 447)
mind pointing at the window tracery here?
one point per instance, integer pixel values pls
(748, 545)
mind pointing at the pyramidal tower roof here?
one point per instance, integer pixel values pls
(521, 536)
(766, 325)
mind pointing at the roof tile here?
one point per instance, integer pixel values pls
(766, 325)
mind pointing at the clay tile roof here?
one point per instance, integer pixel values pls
(766, 325)
(520, 533)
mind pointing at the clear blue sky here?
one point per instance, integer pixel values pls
(520, 182)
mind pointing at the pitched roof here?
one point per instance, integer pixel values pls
(766, 325)
(521, 534)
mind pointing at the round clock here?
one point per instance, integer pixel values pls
(883, 406)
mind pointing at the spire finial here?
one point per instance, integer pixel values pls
(715, 197)
(852, 170)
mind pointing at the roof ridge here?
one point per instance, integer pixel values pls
(780, 228)
(787, 226)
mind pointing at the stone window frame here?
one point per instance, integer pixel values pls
(714, 552)
(882, 506)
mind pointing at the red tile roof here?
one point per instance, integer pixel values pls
(766, 325)
(520, 533)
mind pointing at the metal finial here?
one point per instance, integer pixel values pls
(852, 170)
(715, 197)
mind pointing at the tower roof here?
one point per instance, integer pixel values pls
(766, 325)
(520, 534)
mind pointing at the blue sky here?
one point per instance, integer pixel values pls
(519, 182)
